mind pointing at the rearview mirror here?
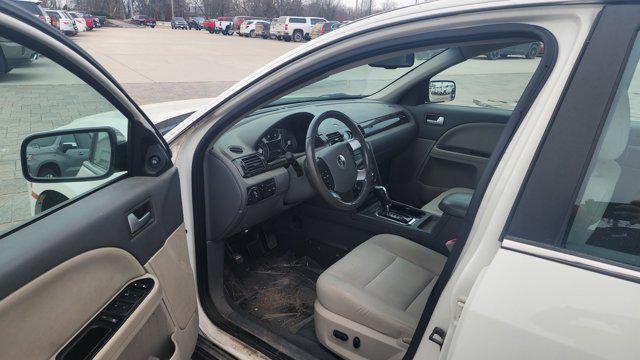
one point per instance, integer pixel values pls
(442, 91)
(395, 62)
(69, 155)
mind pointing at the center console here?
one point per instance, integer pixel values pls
(400, 218)
(389, 210)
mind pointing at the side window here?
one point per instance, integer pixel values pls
(606, 218)
(494, 80)
(38, 95)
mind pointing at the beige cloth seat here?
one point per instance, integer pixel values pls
(432, 206)
(382, 286)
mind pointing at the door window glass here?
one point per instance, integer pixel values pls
(38, 95)
(496, 79)
(606, 217)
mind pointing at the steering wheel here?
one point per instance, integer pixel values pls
(332, 170)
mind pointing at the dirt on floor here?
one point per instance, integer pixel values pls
(278, 289)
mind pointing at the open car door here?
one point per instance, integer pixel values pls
(93, 261)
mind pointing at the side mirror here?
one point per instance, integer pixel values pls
(42, 162)
(442, 91)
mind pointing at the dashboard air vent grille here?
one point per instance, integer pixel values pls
(252, 164)
(335, 137)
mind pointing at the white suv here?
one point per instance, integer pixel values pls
(296, 27)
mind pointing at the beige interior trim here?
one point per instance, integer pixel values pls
(152, 340)
(171, 265)
(40, 317)
(374, 345)
(172, 268)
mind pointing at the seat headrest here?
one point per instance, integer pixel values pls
(616, 131)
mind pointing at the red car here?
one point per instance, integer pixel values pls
(88, 19)
(209, 25)
(144, 20)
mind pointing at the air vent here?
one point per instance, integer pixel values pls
(334, 137)
(252, 164)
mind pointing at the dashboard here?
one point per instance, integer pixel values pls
(276, 142)
(250, 167)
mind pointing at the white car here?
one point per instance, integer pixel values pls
(296, 28)
(81, 24)
(382, 192)
(248, 28)
(224, 26)
(63, 21)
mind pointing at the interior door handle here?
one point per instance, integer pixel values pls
(136, 223)
(433, 119)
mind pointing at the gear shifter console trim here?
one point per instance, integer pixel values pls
(397, 217)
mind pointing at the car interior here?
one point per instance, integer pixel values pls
(337, 256)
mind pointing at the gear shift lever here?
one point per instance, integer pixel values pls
(383, 196)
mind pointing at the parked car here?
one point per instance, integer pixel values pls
(224, 25)
(248, 28)
(63, 21)
(528, 50)
(179, 23)
(13, 55)
(96, 22)
(196, 23)
(273, 26)
(296, 28)
(102, 19)
(330, 205)
(209, 25)
(89, 20)
(263, 29)
(33, 7)
(143, 20)
(81, 24)
(238, 20)
(322, 28)
(58, 156)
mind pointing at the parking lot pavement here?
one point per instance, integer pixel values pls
(158, 64)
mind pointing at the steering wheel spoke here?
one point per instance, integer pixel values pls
(338, 167)
(325, 173)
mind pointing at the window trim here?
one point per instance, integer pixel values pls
(572, 258)
(542, 213)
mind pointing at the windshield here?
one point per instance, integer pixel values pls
(358, 82)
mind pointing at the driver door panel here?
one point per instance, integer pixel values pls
(104, 271)
(53, 286)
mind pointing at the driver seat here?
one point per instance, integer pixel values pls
(370, 301)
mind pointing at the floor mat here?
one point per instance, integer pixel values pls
(278, 289)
